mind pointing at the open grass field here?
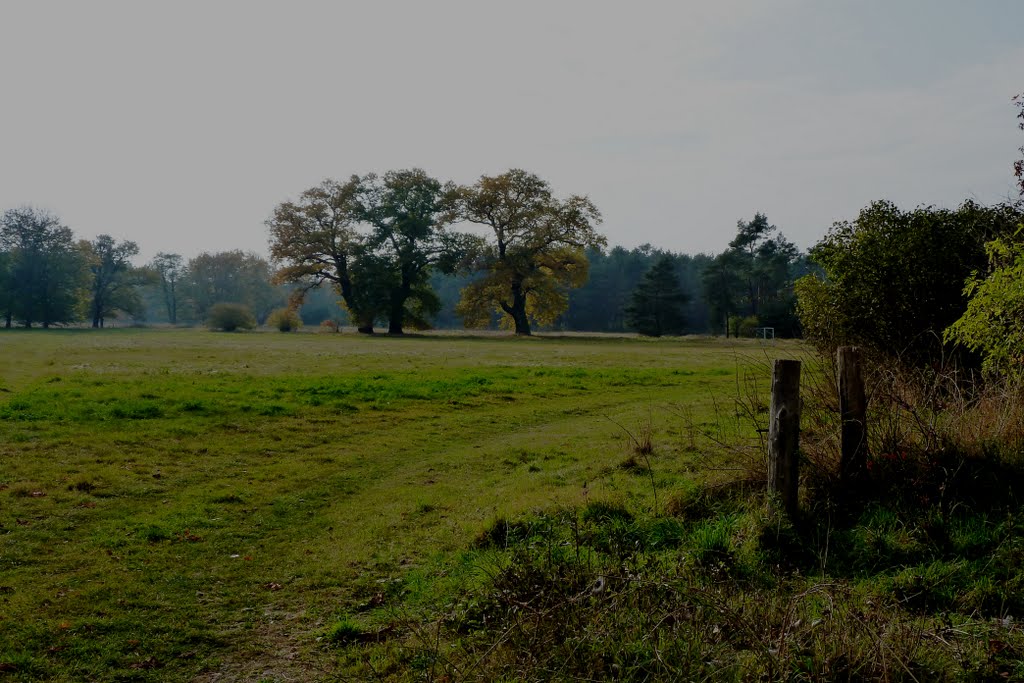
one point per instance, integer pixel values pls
(185, 505)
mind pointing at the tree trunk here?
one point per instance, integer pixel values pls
(399, 296)
(8, 320)
(364, 321)
(518, 309)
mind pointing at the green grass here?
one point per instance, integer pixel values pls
(183, 504)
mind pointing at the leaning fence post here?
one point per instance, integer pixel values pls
(853, 413)
(784, 433)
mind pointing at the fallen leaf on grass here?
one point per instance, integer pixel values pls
(38, 494)
(273, 586)
(7, 667)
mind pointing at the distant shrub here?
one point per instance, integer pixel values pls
(230, 317)
(743, 327)
(284, 320)
(330, 326)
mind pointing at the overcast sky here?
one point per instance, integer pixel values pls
(181, 124)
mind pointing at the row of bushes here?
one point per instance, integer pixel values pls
(231, 317)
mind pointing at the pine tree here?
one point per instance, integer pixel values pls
(659, 303)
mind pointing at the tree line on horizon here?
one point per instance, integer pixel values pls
(914, 282)
(386, 250)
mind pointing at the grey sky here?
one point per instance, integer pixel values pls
(181, 124)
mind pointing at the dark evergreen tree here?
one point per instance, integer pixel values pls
(658, 303)
(753, 278)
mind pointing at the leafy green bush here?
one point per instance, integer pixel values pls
(284, 320)
(894, 280)
(994, 321)
(743, 326)
(230, 317)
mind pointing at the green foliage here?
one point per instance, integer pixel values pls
(234, 276)
(316, 241)
(284, 320)
(114, 281)
(599, 305)
(169, 270)
(408, 210)
(537, 253)
(380, 273)
(230, 317)
(45, 270)
(993, 323)
(754, 277)
(658, 302)
(744, 326)
(893, 280)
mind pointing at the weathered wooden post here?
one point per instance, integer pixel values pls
(784, 433)
(853, 462)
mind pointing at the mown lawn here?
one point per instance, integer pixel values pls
(189, 505)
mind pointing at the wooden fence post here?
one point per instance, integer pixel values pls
(784, 433)
(853, 462)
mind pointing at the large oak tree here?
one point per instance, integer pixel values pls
(376, 238)
(407, 211)
(315, 240)
(535, 253)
